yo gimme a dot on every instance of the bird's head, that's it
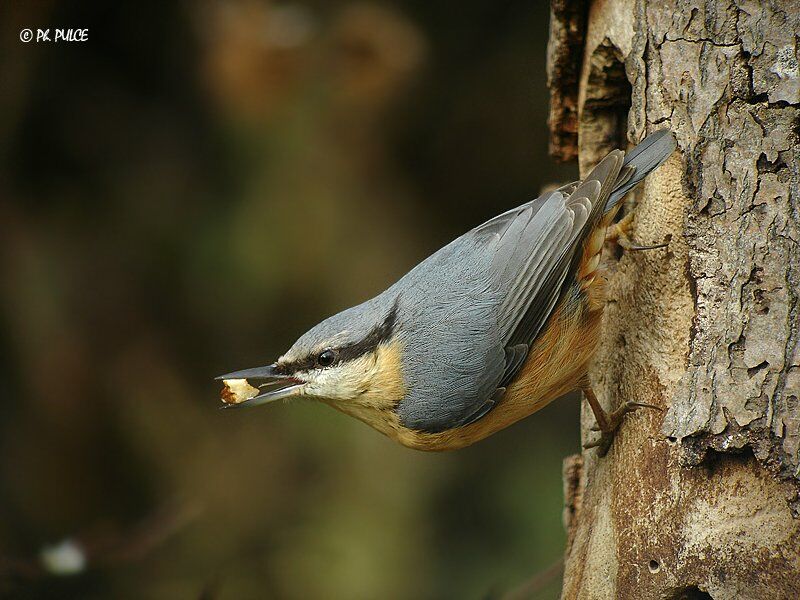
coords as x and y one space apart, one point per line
351 360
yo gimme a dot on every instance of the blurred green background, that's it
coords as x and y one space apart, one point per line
183 195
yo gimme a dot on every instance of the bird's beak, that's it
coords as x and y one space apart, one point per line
275 385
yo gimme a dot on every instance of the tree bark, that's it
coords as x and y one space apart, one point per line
700 501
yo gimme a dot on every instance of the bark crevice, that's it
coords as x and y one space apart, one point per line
567 33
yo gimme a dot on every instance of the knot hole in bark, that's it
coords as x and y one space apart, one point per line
692 593
603 122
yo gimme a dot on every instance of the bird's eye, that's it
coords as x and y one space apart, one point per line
326 358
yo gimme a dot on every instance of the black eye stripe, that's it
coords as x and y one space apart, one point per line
290 368
380 333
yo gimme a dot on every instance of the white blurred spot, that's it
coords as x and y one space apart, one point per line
65 558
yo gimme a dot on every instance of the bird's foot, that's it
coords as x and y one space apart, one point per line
613 421
607 424
619 233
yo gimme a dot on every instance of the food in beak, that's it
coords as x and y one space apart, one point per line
239 391
236 391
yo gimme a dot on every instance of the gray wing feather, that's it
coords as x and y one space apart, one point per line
500 279
639 162
516 269
535 290
648 155
616 174
546 245
515 358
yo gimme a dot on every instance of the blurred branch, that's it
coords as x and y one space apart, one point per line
533 587
75 555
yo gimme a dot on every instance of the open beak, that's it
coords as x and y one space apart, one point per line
271 385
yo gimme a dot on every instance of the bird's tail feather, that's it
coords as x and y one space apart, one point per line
649 154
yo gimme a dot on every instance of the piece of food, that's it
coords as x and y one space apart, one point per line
236 391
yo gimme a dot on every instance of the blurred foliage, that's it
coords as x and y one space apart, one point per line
185 194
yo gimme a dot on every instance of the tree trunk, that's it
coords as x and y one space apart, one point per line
700 501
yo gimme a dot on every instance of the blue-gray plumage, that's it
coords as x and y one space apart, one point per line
465 320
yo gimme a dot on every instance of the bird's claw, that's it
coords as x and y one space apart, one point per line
619 233
634 247
614 420
602 443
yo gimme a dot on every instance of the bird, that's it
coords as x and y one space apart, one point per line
484 332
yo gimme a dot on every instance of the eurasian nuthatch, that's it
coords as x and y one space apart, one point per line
481 334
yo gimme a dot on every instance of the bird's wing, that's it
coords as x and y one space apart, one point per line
497 285
646 156
500 283
538 244
535 252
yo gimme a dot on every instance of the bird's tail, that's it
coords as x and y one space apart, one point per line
649 154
